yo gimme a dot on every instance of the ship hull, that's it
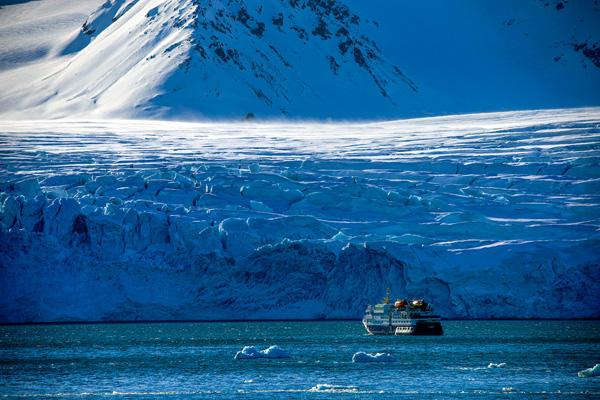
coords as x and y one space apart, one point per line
419 329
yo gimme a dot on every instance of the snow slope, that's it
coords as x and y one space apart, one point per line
485 215
30 31
182 59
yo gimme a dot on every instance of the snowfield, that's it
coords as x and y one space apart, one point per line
485 215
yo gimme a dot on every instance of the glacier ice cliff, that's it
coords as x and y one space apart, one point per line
491 215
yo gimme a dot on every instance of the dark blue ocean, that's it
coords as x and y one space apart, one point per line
474 359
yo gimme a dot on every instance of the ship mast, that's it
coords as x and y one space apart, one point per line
386 299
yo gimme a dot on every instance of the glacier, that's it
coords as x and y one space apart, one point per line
490 215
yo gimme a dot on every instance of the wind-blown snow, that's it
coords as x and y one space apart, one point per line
486 215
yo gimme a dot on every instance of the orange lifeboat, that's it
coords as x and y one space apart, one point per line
400 303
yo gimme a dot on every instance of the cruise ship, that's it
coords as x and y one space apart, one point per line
415 317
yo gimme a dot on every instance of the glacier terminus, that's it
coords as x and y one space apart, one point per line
485 215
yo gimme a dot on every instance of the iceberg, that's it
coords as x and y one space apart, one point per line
362 357
590 372
249 352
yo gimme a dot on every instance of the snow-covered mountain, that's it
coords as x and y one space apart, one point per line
230 58
343 59
493 215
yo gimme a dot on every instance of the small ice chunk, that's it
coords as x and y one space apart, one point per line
327 388
588 373
270 352
247 352
275 352
494 365
362 357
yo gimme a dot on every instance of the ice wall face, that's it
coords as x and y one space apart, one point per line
485 215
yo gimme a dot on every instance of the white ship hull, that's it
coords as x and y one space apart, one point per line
415 327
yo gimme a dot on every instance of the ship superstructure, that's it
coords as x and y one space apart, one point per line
415 317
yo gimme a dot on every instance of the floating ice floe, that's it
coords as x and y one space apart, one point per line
270 352
498 365
588 373
327 388
362 357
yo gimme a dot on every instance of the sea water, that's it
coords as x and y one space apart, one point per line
473 359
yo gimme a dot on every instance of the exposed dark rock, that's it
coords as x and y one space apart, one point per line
358 57
86 29
243 16
321 30
278 20
220 52
590 51
301 32
200 50
333 64
342 32
283 60
344 46
258 30
262 96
